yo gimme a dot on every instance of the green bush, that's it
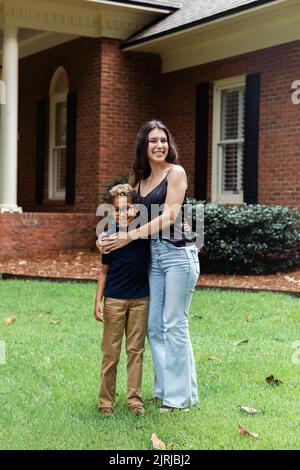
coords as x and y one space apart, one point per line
250 239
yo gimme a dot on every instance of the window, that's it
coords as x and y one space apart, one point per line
228 141
58 134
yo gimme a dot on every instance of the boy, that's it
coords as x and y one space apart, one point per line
123 282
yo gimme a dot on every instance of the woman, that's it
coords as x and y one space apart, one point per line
174 269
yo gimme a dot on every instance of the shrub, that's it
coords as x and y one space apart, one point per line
250 239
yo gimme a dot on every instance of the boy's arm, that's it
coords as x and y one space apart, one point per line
98 309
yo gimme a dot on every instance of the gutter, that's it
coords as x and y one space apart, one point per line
141 5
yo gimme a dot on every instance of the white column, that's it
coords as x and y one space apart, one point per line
9 122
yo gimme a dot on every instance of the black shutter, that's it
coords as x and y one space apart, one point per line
40 150
201 147
251 138
71 148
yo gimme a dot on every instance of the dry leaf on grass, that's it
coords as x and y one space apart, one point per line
214 358
272 380
157 443
251 411
55 322
248 318
10 320
245 433
170 446
242 341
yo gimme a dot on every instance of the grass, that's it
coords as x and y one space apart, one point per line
49 384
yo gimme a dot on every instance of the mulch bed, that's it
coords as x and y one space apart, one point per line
84 265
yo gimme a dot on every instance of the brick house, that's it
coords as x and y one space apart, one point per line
82 76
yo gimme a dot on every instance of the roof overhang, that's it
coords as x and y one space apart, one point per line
259 27
46 23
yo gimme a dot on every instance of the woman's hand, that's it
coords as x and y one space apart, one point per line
113 242
98 311
98 242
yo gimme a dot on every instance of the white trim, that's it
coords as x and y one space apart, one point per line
153 9
54 99
216 195
152 42
87 19
255 29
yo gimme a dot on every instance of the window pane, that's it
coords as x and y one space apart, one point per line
232 167
232 118
62 83
61 124
60 169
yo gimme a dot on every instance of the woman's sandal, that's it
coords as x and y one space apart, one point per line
167 409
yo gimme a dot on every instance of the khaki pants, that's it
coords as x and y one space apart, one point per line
129 315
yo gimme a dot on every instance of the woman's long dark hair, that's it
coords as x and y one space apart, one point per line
141 167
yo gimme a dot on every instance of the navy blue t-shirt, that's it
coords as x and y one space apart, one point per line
127 277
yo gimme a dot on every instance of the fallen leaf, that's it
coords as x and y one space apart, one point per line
214 358
245 433
251 411
157 443
291 279
10 320
242 341
248 318
54 322
170 446
272 380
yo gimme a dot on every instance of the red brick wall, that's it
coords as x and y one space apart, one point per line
279 157
130 96
81 59
31 233
117 93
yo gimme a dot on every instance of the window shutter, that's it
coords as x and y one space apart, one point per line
251 138
201 147
71 148
40 150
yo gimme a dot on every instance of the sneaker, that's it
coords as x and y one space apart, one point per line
137 410
105 410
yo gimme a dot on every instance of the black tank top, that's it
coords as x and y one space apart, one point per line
154 202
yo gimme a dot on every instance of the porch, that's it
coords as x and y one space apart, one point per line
50 175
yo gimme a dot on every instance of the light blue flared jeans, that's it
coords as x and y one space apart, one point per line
173 275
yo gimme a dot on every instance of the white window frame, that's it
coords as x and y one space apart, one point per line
54 99
217 196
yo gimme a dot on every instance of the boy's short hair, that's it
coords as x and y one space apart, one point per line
121 190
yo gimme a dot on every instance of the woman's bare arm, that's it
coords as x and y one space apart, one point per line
177 185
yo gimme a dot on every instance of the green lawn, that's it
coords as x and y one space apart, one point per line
49 384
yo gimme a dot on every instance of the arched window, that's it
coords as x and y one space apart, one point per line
59 90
